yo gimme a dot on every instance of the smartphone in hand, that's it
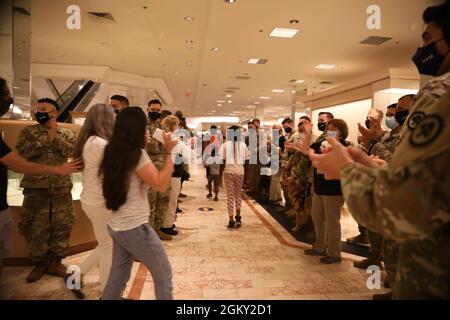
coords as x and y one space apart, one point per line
158 135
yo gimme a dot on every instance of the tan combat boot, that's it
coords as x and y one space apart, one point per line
56 268
37 272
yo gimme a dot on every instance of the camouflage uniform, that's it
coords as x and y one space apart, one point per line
47 215
286 170
384 148
385 247
408 200
158 201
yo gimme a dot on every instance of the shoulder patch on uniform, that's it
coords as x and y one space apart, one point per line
415 118
426 131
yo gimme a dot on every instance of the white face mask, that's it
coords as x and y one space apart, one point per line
391 123
333 134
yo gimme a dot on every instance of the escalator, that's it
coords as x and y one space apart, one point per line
76 98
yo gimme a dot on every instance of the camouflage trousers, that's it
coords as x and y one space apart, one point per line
46 222
376 245
390 258
159 204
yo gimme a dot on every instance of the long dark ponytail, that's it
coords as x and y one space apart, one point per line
122 155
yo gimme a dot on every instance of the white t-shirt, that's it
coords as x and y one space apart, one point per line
234 163
135 211
92 193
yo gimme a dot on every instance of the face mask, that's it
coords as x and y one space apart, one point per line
42 117
288 130
400 116
428 60
332 134
116 111
154 115
391 123
367 123
322 126
4 107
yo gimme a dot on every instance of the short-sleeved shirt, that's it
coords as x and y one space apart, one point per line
4 150
134 212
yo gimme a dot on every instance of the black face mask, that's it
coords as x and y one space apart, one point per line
4 106
288 130
322 126
42 117
154 115
428 60
400 116
368 124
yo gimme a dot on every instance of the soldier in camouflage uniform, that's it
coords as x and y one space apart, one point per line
408 200
158 201
47 216
288 125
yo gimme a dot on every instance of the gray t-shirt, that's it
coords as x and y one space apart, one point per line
135 211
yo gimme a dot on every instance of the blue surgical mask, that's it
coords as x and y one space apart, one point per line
391 123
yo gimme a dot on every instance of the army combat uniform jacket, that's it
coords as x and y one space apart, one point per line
409 199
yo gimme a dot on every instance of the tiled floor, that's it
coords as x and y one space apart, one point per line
259 261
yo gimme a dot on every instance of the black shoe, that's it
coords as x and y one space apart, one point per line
231 224
182 195
216 198
178 210
209 195
330 260
169 231
173 226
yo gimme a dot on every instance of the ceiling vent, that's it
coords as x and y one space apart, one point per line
102 15
233 88
375 41
326 82
243 77
262 61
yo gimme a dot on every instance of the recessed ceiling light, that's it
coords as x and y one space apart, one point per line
257 102
219 105
297 81
189 18
228 96
230 1
278 90
253 61
215 49
324 66
229 101
264 98
283 32
220 101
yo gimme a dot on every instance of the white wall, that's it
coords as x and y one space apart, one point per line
352 113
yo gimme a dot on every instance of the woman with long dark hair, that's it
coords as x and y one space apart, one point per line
92 140
234 152
127 174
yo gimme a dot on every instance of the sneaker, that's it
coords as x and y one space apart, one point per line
238 222
169 231
314 252
365 263
330 260
209 195
359 239
163 236
231 224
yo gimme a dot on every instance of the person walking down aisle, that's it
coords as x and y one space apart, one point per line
127 172
234 152
158 201
47 216
93 138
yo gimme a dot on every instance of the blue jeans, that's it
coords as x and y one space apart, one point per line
144 244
